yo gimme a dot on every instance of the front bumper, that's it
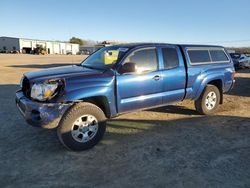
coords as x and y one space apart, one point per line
46 115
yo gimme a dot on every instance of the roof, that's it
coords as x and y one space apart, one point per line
200 46
37 39
135 45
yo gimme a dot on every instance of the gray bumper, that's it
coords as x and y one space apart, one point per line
46 115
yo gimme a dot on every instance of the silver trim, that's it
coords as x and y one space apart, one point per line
149 96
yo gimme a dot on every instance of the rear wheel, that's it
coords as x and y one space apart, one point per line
82 127
209 100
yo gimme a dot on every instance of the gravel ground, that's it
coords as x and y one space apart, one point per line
165 147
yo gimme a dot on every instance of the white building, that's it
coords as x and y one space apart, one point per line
24 45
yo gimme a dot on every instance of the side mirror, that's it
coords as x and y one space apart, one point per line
129 67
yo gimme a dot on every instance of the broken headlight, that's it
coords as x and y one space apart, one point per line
44 91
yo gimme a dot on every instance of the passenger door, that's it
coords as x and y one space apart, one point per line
173 74
142 87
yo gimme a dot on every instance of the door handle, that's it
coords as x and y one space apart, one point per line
157 77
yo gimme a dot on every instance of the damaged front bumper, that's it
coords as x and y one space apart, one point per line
45 115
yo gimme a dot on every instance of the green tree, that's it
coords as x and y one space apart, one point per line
76 40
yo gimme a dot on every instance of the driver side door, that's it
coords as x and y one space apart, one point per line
142 88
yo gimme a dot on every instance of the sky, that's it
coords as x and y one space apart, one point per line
223 22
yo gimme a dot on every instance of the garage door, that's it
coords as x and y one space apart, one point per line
56 49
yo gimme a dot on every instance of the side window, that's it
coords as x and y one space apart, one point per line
218 55
145 60
199 56
170 58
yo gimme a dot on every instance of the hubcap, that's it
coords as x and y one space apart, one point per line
210 101
84 128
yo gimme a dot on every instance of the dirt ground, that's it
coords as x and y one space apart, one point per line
165 147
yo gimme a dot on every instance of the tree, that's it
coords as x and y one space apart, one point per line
76 40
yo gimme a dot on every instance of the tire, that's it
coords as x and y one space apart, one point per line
82 127
207 106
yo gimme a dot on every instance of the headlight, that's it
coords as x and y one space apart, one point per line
43 91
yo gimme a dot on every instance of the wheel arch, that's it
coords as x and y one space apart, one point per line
217 82
101 102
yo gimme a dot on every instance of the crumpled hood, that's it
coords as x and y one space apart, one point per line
61 72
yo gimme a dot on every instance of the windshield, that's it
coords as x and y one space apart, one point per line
105 57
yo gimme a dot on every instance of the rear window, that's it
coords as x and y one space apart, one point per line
218 55
199 56
170 58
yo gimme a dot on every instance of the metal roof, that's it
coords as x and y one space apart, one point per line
37 40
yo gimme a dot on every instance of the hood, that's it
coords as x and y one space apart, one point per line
61 72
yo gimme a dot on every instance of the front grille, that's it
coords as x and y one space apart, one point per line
26 87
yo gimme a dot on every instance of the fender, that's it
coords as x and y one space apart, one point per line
78 89
204 80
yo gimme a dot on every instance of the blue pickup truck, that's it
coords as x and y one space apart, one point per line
118 79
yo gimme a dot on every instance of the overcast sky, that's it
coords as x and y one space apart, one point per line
224 22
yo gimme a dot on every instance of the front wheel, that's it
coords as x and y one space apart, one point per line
82 127
209 100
